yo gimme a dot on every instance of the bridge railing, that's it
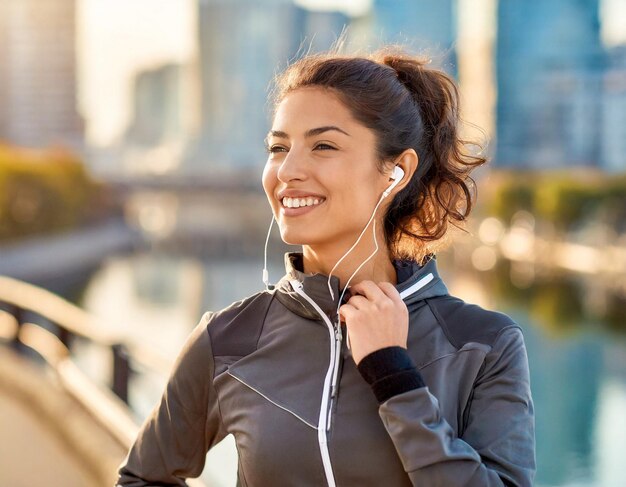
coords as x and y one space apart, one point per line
66 321
36 319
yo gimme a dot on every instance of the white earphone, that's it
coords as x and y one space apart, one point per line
396 175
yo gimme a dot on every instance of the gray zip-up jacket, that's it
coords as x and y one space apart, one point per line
274 371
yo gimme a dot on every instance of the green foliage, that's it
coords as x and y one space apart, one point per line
567 202
42 192
509 194
557 304
615 202
566 199
556 301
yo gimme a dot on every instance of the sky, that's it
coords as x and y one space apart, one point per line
613 17
118 38
351 7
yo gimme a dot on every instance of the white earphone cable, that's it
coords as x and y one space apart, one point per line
359 268
332 294
266 274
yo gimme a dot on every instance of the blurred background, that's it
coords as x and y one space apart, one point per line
131 151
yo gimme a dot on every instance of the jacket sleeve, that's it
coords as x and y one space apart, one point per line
497 447
173 441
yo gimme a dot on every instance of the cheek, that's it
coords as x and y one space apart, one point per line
269 181
358 191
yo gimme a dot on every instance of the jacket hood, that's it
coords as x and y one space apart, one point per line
415 283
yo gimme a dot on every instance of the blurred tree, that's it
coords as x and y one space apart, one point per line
616 313
616 203
44 191
567 200
511 191
557 305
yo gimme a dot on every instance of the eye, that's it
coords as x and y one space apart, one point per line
274 148
323 146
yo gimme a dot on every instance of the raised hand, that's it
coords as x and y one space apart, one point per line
375 317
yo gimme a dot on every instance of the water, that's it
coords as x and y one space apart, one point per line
577 354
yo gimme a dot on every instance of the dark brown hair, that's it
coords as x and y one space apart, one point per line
407 105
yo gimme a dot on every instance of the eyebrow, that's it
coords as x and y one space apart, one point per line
308 133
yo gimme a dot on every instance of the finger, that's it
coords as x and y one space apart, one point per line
358 302
368 289
347 311
390 291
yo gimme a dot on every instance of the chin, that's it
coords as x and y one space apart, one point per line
293 238
297 237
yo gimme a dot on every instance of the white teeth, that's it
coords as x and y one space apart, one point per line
300 202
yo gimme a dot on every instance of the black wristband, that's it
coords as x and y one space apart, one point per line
390 371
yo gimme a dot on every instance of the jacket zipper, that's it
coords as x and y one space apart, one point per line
334 389
332 374
330 384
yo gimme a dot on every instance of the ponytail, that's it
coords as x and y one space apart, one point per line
407 105
444 191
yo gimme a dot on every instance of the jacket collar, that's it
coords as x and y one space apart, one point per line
415 283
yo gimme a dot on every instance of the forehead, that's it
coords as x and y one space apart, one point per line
312 106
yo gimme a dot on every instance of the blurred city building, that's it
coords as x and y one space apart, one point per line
38 74
242 45
159 133
613 134
318 30
561 95
157 106
422 25
550 65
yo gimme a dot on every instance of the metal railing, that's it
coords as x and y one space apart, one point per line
67 321
32 318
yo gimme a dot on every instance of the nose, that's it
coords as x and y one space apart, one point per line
293 167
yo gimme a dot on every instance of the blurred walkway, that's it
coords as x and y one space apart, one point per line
47 437
46 258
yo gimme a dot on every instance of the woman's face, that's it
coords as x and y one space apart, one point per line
321 177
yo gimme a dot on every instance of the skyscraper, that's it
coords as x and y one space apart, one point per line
549 75
422 25
38 73
158 134
243 44
157 106
613 127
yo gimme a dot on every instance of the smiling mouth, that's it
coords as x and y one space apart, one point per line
301 202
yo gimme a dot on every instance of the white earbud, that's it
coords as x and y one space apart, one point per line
396 175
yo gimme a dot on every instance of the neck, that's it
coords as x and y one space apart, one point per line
320 259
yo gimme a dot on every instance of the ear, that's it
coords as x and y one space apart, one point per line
408 161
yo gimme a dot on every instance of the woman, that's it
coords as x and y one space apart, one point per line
366 171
